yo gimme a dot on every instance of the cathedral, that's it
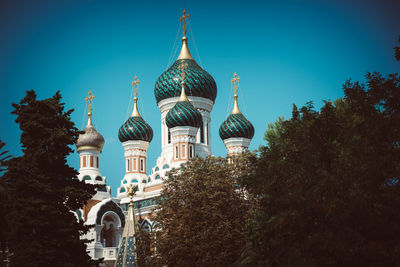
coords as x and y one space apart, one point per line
185 94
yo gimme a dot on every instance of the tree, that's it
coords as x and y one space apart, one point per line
327 182
201 215
44 190
4 200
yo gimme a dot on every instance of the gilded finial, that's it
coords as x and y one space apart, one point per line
89 99
182 68
234 81
135 83
185 53
184 18
132 191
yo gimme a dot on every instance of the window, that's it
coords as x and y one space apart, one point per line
169 136
86 178
176 152
98 178
157 169
97 162
157 177
202 134
124 182
134 181
122 190
84 161
128 165
207 133
190 151
166 166
91 161
183 151
141 165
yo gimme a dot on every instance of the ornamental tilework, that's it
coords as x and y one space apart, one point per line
183 114
135 128
236 125
198 82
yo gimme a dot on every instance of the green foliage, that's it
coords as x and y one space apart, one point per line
4 197
44 189
202 215
327 183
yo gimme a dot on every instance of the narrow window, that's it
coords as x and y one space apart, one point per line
202 134
183 151
169 137
91 161
176 152
207 133
190 151
128 165
84 161
97 162
141 165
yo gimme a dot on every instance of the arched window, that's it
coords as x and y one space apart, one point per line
166 166
144 181
201 134
156 169
134 181
86 178
122 190
124 182
98 178
102 189
149 180
108 235
157 177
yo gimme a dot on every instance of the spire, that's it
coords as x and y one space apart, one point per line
183 96
126 255
234 80
185 53
135 83
89 99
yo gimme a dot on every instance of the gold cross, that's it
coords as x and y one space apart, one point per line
132 190
89 99
135 83
182 68
184 17
234 80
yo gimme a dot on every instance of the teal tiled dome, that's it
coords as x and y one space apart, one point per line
198 82
135 128
236 125
183 114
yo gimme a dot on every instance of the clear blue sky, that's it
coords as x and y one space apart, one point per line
284 51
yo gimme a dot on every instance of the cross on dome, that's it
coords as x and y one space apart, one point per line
135 83
234 80
184 18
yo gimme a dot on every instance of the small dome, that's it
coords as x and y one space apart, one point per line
236 125
90 138
135 128
198 81
183 114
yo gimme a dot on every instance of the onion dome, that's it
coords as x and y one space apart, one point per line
135 128
236 125
198 81
90 139
183 113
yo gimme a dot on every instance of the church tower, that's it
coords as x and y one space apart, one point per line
236 131
200 89
183 122
89 146
135 135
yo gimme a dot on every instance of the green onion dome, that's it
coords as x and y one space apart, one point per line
198 81
135 128
236 125
90 139
183 114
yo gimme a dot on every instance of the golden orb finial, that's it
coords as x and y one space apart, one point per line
89 99
135 83
234 81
